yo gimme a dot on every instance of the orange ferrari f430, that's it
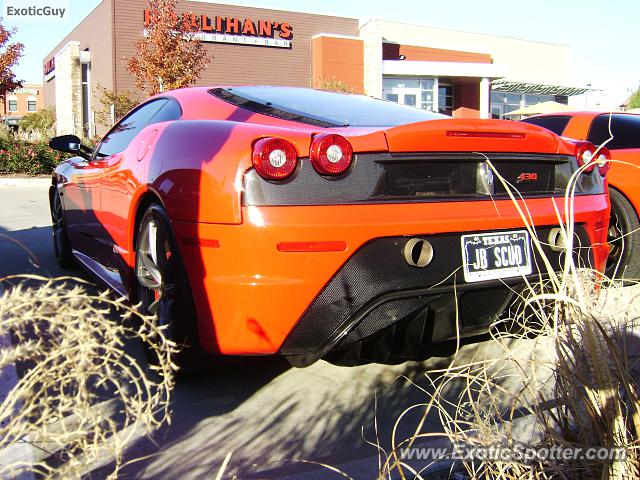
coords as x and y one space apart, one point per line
262 220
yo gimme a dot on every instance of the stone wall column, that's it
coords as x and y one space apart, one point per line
69 90
372 37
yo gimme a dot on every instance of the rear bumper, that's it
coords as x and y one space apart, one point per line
252 298
376 289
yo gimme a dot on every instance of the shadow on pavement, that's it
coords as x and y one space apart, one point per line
30 251
269 415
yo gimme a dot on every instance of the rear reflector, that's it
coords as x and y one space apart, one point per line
461 133
312 246
201 242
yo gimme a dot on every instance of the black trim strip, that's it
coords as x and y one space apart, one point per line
111 278
268 110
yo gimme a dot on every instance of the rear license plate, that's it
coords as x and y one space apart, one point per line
489 256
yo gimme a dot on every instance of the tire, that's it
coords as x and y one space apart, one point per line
624 239
163 288
61 242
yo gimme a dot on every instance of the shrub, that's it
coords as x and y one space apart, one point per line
335 85
39 124
18 156
81 397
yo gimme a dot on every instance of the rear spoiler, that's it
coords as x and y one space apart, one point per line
454 135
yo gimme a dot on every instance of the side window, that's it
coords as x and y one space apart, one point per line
555 123
625 129
170 111
120 136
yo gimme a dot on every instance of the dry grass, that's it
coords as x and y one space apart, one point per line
81 396
569 379
575 386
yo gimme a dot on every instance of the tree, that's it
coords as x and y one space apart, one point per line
634 100
10 53
122 102
170 56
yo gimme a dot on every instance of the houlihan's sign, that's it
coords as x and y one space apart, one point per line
262 33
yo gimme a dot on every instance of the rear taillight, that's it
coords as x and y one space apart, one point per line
331 154
585 155
274 158
603 160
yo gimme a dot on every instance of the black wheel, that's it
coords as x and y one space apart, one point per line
624 239
61 243
163 288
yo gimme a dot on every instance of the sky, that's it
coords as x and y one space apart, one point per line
603 36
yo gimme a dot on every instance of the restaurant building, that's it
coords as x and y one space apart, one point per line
457 73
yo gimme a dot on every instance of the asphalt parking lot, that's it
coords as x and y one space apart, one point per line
268 415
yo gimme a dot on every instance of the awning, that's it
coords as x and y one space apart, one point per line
503 85
12 120
544 107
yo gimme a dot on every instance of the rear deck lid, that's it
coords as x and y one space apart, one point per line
471 135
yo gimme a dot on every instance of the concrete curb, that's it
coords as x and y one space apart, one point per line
25 181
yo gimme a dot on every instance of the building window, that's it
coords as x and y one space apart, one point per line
427 84
86 127
413 91
31 106
13 105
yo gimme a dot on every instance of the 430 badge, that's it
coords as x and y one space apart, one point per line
489 256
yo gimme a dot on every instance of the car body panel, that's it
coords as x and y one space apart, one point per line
264 299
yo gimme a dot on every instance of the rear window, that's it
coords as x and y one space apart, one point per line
625 129
555 123
322 108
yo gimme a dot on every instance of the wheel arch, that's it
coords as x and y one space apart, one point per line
140 203
146 198
626 197
53 188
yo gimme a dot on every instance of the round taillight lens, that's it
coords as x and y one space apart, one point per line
603 160
585 155
274 158
331 154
